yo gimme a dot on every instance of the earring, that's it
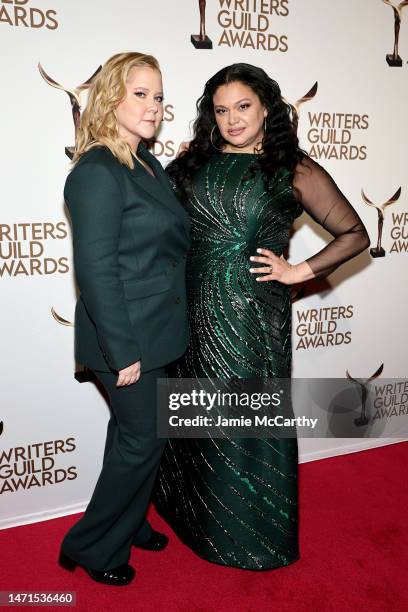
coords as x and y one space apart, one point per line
211 139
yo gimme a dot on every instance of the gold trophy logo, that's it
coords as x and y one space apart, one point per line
378 251
296 106
74 97
201 40
363 419
393 59
60 319
83 374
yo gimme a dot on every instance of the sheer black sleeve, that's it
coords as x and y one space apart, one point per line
325 203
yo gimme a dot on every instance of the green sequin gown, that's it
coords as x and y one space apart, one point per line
235 501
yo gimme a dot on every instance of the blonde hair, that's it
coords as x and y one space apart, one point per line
99 125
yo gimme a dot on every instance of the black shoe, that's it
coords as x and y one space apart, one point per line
119 576
157 541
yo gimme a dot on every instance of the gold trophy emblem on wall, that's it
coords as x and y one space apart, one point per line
74 97
363 419
393 59
201 40
378 251
296 106
60 319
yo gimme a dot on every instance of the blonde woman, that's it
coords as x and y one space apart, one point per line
130 237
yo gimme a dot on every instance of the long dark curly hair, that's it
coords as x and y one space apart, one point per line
280 145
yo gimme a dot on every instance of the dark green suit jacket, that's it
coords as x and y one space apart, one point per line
131 237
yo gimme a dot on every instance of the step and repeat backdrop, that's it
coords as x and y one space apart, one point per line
342 65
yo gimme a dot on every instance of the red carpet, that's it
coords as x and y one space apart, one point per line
354 548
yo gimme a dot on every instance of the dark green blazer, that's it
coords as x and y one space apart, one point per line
130 236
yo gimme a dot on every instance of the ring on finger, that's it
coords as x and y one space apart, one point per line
270 269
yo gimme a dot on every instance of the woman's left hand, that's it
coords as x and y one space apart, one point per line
275 268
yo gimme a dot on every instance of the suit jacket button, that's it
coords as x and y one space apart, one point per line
178 299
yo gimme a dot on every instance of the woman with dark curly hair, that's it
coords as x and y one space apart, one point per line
243 180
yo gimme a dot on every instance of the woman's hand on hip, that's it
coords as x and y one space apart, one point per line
278 269
129 375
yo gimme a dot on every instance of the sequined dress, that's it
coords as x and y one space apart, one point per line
235 501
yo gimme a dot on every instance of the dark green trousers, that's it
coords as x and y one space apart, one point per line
116 514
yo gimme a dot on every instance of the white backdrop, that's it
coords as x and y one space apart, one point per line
54 428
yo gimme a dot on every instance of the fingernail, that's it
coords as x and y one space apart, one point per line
252 258
252 269
259 250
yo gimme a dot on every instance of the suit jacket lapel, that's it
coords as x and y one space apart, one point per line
158 186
